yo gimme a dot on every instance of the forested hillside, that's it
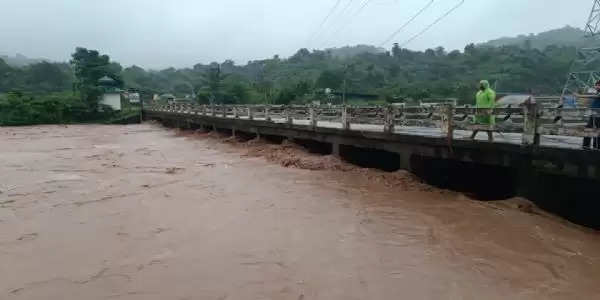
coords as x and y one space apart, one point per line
566 36
389 75
20 60
392 75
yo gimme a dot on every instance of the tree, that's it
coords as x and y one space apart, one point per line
300 56
330 79
89 66
212 82
47 77
236 93
5 76
440 51
396 50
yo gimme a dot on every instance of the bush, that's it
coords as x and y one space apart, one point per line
17 108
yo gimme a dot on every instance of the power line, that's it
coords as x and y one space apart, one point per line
432 24
329 14
393 35
356 13
339 16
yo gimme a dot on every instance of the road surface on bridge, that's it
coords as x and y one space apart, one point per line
139 212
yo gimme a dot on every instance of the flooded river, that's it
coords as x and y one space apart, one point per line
144 212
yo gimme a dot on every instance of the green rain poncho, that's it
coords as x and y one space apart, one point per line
485 99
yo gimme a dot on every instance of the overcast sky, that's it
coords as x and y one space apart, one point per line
180 33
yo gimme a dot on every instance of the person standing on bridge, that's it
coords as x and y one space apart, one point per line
485 99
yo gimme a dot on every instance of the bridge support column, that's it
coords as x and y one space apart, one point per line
405 164
335 149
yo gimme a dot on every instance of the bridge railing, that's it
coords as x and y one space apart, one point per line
531 119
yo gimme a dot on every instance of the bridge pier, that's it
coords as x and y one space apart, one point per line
335 149
405 164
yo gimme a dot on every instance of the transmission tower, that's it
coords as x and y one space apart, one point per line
585 70
591 29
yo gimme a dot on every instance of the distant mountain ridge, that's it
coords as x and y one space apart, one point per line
20 60
566 36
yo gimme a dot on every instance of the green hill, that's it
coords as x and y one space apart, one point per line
20 60
566 36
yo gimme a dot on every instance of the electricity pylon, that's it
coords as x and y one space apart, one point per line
585 71
591 29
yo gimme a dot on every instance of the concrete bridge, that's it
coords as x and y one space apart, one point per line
533 137
536 153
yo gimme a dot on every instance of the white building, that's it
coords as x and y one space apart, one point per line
112 99
112 94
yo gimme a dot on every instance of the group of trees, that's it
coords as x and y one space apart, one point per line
537 64
45 92
392 76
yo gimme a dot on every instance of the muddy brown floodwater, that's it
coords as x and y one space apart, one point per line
144 212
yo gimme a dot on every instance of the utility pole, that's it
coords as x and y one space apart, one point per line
344 91
141 109
345 83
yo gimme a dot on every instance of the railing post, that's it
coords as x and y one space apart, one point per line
288 115
224 107
204 109
345 121
250 112
388 119
267 113
312 117
447 111
530 136
213 111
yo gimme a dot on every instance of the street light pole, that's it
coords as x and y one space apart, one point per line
344 91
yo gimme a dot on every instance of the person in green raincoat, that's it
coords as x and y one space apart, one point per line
485 98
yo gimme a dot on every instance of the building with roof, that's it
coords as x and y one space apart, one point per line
111 95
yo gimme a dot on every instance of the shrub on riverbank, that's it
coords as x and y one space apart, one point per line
18 108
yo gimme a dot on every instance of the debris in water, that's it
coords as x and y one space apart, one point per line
174 170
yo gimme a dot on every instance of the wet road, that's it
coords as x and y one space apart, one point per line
137 212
